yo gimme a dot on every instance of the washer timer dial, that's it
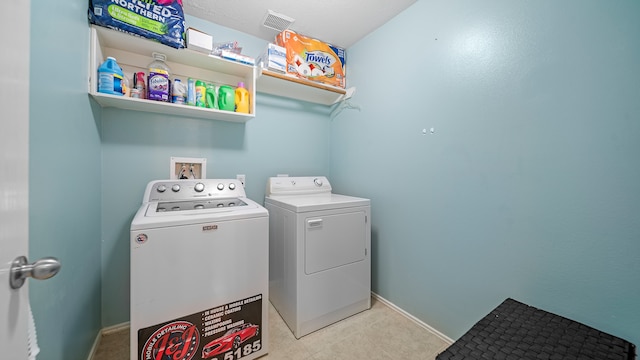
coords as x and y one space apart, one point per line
199 187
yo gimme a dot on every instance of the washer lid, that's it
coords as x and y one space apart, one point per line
195 207
198 204
306 203
148 215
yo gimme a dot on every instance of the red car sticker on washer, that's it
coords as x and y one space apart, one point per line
178 340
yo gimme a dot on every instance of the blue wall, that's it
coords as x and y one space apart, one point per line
528 186
64 181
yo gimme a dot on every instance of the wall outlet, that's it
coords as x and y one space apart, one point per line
241 178
187 168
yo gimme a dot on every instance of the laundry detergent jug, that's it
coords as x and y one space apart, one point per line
110 77
226 98
242 99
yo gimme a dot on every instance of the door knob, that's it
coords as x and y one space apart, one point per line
42 269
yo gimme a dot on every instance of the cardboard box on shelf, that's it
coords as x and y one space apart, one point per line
313 59
199 41
274 58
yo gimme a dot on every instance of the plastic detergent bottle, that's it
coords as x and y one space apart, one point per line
179 93
226 98
211 96
201 91
242 99
110 77
126 88
191 92
159 72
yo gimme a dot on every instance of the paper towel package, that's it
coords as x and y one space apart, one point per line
159 20
313 59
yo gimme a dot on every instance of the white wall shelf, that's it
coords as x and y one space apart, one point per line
133 54
275 83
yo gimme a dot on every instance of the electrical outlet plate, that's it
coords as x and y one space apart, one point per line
241 178
188 168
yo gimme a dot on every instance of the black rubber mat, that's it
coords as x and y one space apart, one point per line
515 331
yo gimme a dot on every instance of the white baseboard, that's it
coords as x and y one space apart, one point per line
115 328
418 322
105 331
94 348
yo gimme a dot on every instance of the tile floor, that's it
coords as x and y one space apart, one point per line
380 333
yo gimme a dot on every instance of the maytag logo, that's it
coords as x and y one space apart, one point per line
209 227
141 238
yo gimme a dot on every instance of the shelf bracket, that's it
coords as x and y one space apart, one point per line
344 103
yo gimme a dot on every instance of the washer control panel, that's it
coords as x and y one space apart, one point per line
173 190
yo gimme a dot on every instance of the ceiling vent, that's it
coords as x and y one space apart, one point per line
276 21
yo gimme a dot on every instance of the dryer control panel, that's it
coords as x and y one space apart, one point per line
175 190
298 185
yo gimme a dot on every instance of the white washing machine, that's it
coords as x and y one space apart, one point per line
199 272
319 252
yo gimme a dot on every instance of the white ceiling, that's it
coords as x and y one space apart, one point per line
338 22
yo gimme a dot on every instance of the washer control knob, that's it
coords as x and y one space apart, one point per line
220 186
232 186
161 188
175 188
199 187
317 181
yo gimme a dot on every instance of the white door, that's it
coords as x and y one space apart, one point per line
14 160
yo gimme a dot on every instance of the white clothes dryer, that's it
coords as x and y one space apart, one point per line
199 265
319 252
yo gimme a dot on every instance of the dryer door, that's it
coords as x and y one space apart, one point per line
334 240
